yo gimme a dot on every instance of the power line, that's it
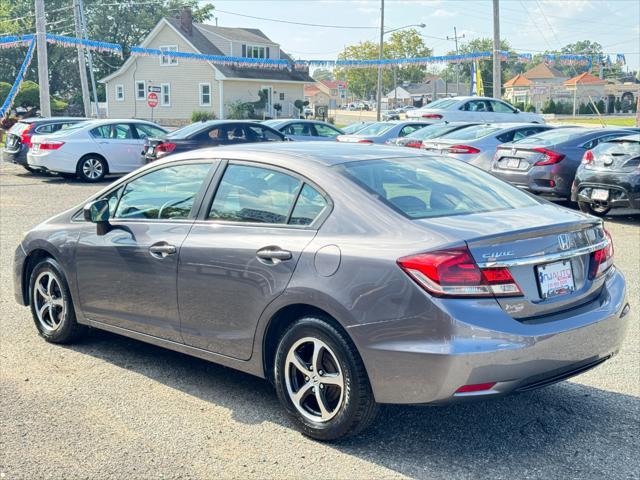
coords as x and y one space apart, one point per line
294 23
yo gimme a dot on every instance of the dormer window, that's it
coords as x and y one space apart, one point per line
254 51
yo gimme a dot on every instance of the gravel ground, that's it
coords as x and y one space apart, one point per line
110 407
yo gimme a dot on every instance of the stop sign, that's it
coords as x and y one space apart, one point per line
152 99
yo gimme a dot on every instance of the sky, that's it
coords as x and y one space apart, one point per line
530 26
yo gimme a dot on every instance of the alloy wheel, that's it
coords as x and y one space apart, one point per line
48 301
314 379
92 168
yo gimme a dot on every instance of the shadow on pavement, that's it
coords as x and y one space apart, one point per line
563 431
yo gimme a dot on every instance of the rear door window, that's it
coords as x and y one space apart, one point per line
258 133
326 131
145 131
298 129
116 131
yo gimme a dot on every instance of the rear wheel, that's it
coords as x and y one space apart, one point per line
594 209
51 304
321 381
91 168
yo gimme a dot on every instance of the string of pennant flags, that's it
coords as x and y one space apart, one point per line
15 88
268 63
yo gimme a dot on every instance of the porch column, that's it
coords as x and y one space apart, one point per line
220 100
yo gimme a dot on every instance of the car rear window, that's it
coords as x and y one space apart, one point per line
186 132
472 133
553 136
429 187
620 146
376 128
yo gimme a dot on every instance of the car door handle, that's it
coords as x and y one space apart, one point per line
162 250
273 254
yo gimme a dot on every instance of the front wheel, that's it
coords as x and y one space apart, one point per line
593 209
321 381
91 169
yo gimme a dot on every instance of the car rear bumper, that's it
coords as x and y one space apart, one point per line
53 161
409 363
18 156
555 180
624 189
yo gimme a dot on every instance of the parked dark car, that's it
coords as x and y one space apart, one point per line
434 130
609 176
348 276
546 163
19 136
213 133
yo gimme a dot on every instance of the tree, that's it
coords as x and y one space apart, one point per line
124 23
29 97
322 74
401 44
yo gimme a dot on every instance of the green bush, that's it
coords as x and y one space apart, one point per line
200 116
601 106
530 108
549 107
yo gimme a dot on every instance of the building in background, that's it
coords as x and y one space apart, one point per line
187 86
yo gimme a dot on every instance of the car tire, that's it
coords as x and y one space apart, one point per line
338 380
91 168
51 304
597 210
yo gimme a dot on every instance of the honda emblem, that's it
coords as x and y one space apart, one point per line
564 241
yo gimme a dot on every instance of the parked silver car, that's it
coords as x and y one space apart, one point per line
546 163
347 276
380 132
477 144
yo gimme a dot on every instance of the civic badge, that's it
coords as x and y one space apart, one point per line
564 241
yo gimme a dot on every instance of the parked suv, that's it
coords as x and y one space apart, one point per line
19 136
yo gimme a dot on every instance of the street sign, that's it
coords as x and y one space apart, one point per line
152 99
153 89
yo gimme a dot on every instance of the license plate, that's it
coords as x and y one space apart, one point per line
12 141
149 150
555 279
513 163
599 194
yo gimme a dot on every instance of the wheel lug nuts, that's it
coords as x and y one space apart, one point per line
321 387
306 379
320 372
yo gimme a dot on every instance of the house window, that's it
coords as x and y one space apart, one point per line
256 52
120 93
281 95
165 94
140 90
166 60
205 94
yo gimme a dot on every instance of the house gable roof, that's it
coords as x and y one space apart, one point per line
542 71
247 35
518 81
585 79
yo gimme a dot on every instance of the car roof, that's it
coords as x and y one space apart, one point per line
290 154
52 119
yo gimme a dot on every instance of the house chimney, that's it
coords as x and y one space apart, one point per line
186 21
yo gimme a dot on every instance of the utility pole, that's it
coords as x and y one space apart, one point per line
83 26
497 80
43 66
455 38
380 53
84 84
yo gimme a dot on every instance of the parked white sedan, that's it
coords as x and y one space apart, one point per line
92 149
472 109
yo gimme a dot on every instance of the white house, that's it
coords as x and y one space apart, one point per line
187 85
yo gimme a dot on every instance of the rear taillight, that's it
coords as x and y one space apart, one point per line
549 157
431 115
164 148
454 273
365 141
462 149
601 260
51 145
413 144
25 136
587 158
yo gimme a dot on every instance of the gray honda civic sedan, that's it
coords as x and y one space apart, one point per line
348 277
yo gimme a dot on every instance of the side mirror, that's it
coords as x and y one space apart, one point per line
98 212
517 110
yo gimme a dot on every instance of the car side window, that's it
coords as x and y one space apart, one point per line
409 129
309 206
257 133
119 131
501 107
236 134
476 106
164 194
254 195
326 131
145 131
49 128
509 136
299 129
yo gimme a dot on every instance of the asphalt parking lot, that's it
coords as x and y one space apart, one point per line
111 407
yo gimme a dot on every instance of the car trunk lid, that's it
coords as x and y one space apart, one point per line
547 250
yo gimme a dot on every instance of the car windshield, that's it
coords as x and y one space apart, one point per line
553 137
375 129
187 131
472 133
431 131
272 123
429 187
442 103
